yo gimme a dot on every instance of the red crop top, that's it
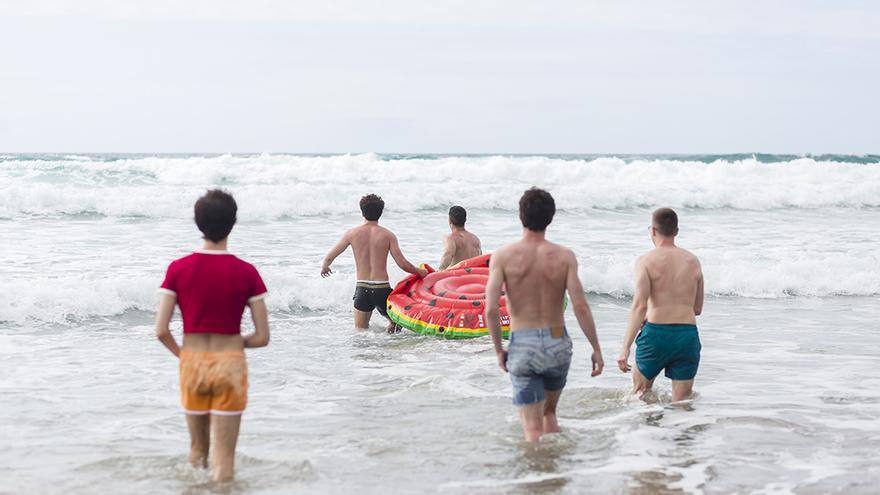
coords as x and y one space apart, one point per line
212 289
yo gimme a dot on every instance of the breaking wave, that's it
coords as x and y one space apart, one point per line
271 187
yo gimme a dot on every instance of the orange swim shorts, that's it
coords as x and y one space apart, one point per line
213 382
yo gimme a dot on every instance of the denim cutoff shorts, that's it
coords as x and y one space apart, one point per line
537 362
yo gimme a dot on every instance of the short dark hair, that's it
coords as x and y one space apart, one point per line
665 222
457 216
371 207
536 209
215 214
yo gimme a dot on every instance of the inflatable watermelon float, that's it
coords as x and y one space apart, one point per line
449 304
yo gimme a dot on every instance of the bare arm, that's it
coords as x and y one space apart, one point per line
448 252
583 313
493 310
401 261
698 301
163 320
335 251
260 316
637 313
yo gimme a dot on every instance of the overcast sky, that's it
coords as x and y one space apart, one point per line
498 76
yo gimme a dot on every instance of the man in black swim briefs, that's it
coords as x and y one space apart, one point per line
370 295
371 245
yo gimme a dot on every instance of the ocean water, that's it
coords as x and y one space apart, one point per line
788 391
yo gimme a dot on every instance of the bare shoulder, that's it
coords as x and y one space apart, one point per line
350 235
646 260
690 257
387 233
555 249
567 256
563 249
500 254
564 253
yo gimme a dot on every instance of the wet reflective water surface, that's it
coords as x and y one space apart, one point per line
95 408
788 393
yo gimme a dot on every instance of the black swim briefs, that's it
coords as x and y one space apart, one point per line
370 295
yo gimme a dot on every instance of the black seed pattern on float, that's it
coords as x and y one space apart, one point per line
476 303
433 302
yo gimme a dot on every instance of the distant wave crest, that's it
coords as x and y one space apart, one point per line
278 186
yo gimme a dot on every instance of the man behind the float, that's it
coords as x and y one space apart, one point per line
371 245
459 244
536 274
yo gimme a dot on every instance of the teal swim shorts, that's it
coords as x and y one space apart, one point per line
675 348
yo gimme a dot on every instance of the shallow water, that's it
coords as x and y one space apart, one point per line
781 406
788 393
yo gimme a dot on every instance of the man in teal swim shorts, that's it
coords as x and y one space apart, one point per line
667 300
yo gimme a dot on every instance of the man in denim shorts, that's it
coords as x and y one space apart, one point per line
536 274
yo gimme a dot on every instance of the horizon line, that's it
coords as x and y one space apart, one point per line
446 153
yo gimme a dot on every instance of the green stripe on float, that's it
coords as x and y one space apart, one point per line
425 328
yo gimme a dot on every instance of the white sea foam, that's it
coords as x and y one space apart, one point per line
780 253
70 298
274 186
67 299
831 275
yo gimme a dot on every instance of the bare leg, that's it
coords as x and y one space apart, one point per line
392 327
551 399
362 319
682 389
199 438
641 385
531 416
225 430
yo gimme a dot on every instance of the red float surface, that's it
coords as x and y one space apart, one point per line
450 303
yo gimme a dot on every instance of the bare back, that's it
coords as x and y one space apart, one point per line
212 342
371 244
466 246
676 285
535 274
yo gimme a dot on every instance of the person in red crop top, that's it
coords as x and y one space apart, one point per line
212 289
